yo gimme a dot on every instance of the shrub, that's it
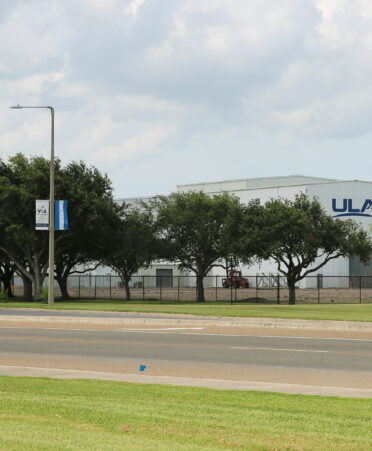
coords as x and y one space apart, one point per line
44 296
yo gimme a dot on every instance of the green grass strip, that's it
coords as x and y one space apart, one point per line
53 414
337 312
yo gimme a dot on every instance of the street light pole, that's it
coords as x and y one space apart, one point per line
51 204
51 215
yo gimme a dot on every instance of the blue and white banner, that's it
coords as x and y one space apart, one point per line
61 221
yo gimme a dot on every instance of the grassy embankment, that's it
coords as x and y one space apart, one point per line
46 414
340 312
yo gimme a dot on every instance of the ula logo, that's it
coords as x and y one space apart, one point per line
347 208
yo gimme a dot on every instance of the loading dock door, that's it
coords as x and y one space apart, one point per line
164 278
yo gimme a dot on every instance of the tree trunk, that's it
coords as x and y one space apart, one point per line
200 289
7 282
127 289
27 289
37 278
7 273
37 287
62 283
292 292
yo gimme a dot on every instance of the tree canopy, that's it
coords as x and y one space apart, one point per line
301 238
198 229
134 242
91 211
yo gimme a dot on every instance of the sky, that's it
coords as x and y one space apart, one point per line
157 93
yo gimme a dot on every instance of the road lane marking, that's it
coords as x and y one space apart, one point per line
162 329
274 349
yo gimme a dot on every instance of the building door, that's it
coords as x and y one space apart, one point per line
164 278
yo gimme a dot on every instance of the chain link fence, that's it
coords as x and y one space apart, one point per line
269 289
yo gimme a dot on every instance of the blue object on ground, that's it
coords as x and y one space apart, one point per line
142 367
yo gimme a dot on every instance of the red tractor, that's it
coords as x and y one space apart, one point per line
235 280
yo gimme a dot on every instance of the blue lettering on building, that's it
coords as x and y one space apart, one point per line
346 208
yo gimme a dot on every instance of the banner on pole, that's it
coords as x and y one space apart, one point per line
42 214
61 220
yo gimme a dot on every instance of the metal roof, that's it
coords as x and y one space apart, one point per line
254 183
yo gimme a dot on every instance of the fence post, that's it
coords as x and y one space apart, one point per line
196 288
161 294
95 286
178 288
256 287
318 283
231 294
360 289
110 287
278 290
216 288
79 286
143 288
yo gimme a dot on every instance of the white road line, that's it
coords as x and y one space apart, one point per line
273 349
253 336
161 329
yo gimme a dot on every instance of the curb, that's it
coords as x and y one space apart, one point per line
148 319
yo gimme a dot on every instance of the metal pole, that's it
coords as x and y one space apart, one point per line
216 288
110 287
178 288
256 287
360 289
318 281
95 286
79 286
51 203
143 288
51 216
160 281
278 288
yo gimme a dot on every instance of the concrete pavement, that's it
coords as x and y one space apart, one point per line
22 371
155 319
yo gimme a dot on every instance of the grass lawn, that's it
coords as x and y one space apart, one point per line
340 312
47 414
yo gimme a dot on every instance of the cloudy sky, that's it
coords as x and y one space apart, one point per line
164 92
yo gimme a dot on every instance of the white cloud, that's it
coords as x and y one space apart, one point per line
171 87
133 8
141 145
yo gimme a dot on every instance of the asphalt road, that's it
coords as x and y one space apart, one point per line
297 353
326 362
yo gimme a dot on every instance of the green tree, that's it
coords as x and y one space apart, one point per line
24 181
91 212
134 242
301 238
199 230
91 208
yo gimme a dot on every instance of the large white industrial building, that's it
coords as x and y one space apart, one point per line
345 199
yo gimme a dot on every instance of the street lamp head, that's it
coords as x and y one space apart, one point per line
16 107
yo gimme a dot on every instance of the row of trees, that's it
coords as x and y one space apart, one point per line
25 250
195 230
